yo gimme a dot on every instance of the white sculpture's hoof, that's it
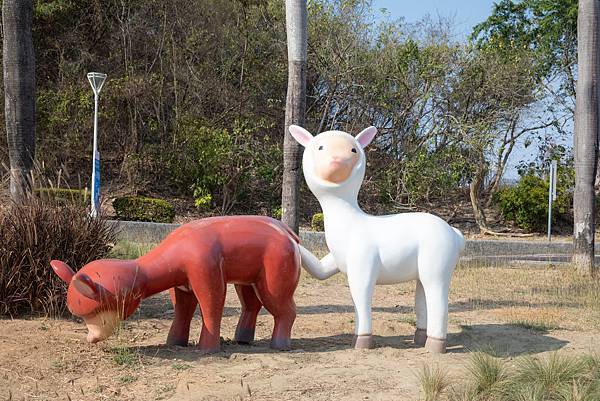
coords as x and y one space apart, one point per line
420 337
435 345
363 341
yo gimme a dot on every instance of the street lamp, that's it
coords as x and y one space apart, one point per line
96 80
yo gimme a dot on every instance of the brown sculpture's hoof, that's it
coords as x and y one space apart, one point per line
211 350
281 344
176 342
435 345
420 337
363 341
244 335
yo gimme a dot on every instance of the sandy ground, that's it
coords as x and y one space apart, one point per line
46 359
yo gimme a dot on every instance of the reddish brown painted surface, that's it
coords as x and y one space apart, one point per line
258 254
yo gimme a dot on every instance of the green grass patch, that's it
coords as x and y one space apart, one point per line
123 355
181 366
410 320
127 379
130 250
539 326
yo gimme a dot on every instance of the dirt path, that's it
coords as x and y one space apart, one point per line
42 359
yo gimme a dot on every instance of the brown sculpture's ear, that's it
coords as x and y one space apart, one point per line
87 287
62 270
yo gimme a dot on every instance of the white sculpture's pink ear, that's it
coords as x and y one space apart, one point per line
302 136
366 136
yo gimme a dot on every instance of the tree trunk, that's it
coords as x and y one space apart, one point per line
474 191
19 93
586 134
296 28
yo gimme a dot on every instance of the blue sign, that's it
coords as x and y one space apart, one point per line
96 194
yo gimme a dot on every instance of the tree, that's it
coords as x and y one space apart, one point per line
549 29
19 93
586 133
296 28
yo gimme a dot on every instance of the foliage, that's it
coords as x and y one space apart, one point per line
426 176
548 27
317 222
277 212
228 167
139 208
194 101
526 203
32 235
63 195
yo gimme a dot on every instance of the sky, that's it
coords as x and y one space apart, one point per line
464 13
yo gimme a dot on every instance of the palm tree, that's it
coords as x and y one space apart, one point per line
586 133
19 93
295 107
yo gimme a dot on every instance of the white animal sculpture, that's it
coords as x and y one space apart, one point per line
377 249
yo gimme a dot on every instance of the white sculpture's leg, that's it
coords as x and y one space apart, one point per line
421 314
361 279
436 294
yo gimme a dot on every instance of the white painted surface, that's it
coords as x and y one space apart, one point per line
377 249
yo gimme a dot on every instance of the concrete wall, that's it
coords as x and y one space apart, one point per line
315 241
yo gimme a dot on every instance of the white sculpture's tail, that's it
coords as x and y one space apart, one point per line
460 240
319 269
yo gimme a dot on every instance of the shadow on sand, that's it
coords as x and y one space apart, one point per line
505 340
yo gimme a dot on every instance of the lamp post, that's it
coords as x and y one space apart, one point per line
96 80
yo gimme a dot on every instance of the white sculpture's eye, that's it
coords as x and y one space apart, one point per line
353 150
321 147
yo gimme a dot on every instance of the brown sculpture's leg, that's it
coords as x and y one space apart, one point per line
251 305
420 337
283 310
185 304
210 291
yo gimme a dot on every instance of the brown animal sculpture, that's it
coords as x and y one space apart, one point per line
259 255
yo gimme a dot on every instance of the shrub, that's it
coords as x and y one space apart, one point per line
202 199
138 208
526 204
233 168
63 195
277 212
317 223
33 234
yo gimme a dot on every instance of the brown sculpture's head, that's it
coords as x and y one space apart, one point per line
103 293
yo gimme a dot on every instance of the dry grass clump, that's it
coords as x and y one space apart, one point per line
544 298
31 235
434 382
553 378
